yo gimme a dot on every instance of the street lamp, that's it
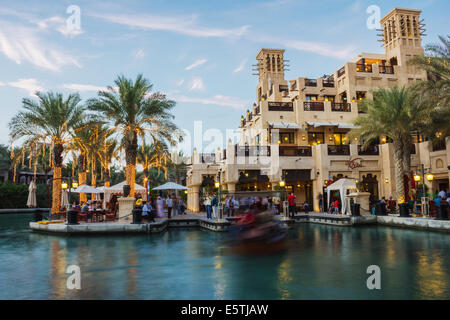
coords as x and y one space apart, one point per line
430 177
64 185
74 185
416 178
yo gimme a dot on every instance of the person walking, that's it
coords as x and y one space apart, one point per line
291 200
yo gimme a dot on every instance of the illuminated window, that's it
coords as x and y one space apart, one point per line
286 137
315 138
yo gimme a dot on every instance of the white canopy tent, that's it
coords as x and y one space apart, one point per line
342 185
170 186
118 189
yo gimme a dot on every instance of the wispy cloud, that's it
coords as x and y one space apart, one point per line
323 49
30 85
240 67
180 82
182 25
139 54
196 84
21 44
219 100
196 64
83 87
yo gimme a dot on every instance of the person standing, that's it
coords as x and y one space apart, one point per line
291 200
306 207
160 207
336 207
207 204
214 204
169 204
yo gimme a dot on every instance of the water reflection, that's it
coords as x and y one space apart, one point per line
320 262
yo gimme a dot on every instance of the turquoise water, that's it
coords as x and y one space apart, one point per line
322 262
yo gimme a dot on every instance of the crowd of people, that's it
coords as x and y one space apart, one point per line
172 205
232 204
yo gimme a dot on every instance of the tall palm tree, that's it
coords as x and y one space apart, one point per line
109 152
135 113
51 119
395 113
436 89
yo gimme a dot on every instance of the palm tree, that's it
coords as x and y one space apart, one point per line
395 113
109 152
52 120
135 113
436 89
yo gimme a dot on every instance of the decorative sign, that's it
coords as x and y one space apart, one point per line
354 163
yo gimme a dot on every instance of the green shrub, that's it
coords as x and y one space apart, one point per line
15 196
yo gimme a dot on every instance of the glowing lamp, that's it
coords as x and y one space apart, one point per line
217 184
282 183
64 185
74 184
386 180
353 99
429 177
416 177
185 191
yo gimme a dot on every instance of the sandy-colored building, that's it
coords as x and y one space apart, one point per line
297 130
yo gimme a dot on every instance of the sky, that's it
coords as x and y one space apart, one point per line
198 53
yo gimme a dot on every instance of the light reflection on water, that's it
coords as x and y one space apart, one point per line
322 262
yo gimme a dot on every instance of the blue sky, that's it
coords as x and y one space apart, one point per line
197 52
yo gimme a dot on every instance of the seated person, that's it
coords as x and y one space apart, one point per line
147 211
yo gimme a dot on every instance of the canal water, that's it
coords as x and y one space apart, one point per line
322 262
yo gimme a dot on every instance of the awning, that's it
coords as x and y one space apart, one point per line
284 125
340 125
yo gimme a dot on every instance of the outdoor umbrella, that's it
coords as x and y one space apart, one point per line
31 202
86 189
170 186
64 198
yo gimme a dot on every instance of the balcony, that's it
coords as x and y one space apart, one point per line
283 88
363 67
280 106
313 106
329 83
295 151
253 151
341 107
311 82
386 69
338 150
369 151
208 158
341 72
256 110
438 145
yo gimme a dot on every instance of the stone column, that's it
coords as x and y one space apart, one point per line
195 198
231 186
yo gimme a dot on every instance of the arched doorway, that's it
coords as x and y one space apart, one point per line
369 184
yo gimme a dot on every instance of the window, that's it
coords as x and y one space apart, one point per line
311 97
360 95
286 137
315 138
329 98
340 138
257 140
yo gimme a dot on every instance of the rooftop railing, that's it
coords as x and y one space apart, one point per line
341 71
438 145
252 151
328 83
311 82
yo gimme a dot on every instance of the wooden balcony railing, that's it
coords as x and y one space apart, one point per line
208 158
295 151
341 71
438 145
338 150
363 67
252 151
369 151
280 106
328 83
313 106
311 82
341 106
386 69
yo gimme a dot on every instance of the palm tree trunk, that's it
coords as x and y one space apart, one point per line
57 167
93 177
398 171
82 175
130 157
107 177
406 155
